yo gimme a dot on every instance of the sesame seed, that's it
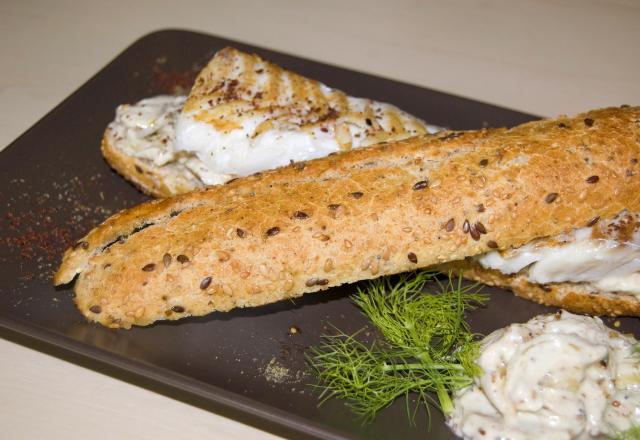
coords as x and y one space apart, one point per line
551 197
593 179
166 259
240 233
474 234
588 122
149 267
357 194
420 185
95 309
492 244
466 226
223 256
322 282
300 215
81 244
451 223
480 228
177 309
182 259
206 282
311 282
333 206
412 257
484 162
328 265
273 231
480 208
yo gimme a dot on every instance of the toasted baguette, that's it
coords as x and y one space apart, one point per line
574 297
354 216
156 181
227 92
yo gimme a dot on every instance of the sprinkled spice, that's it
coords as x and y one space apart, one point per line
492 244
182 259
177 309
480 208
333 206
474 234
480 228
206 282
588 122
420 185
300 215
357 194
368 121
551 197
138 169
593 221
149 267
240 232
593 179
273 231
412 257
95 309
451 223
466 226
484 162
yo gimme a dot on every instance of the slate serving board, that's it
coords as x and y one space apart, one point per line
55 186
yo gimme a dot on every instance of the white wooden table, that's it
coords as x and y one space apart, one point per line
541 57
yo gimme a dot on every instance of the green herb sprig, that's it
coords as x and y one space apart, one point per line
428 346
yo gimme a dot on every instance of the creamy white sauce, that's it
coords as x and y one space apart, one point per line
602 262
560 376
146 129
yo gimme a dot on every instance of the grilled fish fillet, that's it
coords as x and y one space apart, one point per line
243 115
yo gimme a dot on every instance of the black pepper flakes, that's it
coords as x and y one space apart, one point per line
182 259
451 223
149 267
95 309
273 231
206 282
420 185
588 122
300 215
412 257
357 194
178 309
593 179
551 197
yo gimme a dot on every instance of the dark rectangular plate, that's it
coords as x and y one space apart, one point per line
55 186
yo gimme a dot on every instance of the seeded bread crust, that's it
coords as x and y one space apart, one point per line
577 298
358 215
155 181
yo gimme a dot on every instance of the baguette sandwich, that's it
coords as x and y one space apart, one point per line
468 198
243 115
